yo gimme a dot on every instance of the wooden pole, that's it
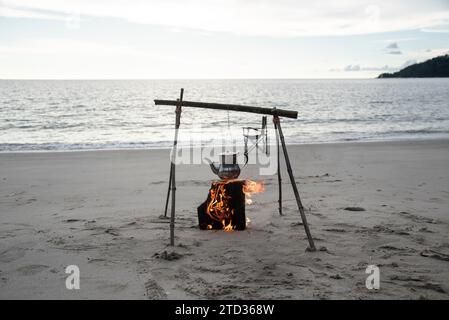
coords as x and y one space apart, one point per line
278 168
265 133
257 147
173 169
231 107
169 189
245 140
295 189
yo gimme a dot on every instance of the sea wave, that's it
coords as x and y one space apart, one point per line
53 115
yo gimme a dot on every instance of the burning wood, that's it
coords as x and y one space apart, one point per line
225 206
219 207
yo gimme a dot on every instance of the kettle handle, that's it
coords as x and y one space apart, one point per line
246 159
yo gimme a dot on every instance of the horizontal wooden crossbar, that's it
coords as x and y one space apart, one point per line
231 107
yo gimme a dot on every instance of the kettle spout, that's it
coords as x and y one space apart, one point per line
214 167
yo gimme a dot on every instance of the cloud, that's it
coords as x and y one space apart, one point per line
393 45
393 48
385 68
52 46
357 67
442 28
400 39
281 18
422 55
32 14
351 67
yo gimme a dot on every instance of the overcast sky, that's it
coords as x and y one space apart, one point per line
103 39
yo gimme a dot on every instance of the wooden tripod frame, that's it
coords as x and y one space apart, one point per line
276 113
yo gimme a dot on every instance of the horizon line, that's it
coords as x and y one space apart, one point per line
165 79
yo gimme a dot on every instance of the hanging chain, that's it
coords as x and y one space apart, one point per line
228 132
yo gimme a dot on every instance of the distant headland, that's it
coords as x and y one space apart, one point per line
434 68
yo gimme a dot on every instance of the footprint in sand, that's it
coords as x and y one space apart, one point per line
154 290
338 230
417 218
31 269
354 209
435 254
12 254
113 287
158 182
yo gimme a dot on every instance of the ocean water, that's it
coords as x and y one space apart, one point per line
114 114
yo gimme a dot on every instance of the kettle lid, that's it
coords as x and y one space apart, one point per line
228 157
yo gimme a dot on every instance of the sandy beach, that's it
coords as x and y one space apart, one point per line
100 210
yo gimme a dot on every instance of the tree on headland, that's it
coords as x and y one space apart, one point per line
434 68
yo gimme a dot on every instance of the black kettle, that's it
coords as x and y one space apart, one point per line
228 168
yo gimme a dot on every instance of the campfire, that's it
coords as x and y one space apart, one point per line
225 205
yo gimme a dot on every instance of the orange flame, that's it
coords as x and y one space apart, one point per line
227 227
250 187
219 205
218 208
